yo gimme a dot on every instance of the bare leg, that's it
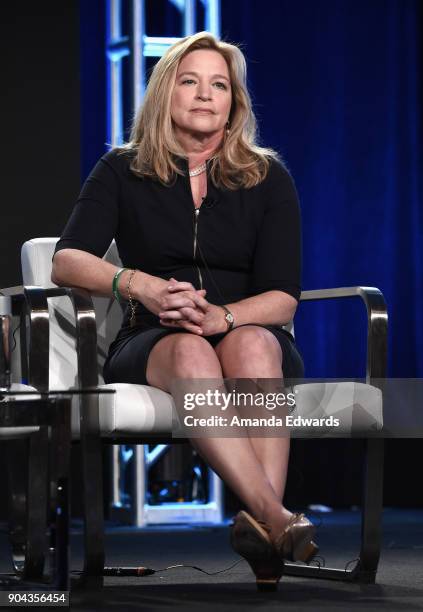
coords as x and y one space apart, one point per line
185 356
264 361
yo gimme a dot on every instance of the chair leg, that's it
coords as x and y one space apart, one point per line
27 462
36 547
92 476
17 466
59 495
371 525
372 507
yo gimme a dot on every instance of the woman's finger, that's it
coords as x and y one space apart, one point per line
182 324
172 315
180 286
177 286
185 298
171 302
190 314
199 301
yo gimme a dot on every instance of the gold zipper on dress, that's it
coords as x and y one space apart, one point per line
196 213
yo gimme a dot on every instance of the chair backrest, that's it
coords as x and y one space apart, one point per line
36 258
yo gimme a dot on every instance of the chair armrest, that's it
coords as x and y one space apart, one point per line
31 302
377 323
86 332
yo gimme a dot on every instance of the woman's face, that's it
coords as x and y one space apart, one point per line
202 97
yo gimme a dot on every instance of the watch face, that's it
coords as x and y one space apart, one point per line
229 317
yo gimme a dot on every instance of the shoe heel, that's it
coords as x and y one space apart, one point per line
267 574
251 541
307 553
267 585
267 568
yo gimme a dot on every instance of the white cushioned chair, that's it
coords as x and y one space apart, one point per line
81 330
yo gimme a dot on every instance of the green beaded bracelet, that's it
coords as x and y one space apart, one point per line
115 288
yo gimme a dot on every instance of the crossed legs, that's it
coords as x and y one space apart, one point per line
254 468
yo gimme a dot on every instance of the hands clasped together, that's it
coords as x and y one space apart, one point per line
179 304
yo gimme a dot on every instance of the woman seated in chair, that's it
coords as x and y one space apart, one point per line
207 225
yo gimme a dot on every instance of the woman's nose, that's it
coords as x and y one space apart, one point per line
204 92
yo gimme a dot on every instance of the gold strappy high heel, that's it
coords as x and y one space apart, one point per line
295 542
250 539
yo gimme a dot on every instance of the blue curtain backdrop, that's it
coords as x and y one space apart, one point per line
336 92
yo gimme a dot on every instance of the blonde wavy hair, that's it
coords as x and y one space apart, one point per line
239 162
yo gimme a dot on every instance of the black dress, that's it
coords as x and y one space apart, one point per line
237 244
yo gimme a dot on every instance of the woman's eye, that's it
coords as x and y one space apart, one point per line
220 85
187 81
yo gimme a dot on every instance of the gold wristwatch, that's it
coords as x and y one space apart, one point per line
229 317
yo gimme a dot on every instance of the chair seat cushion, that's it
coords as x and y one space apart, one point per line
356 406
132 410
141 409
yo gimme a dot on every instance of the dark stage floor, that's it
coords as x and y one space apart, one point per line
399 583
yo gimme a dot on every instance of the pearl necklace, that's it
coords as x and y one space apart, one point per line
198 170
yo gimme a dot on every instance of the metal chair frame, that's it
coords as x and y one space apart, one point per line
30 471
91 443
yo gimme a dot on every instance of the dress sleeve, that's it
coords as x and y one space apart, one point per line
277 256
94 220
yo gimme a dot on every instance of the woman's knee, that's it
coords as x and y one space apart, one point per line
193 355
257 343
184 355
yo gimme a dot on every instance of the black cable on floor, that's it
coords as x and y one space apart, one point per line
148 571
